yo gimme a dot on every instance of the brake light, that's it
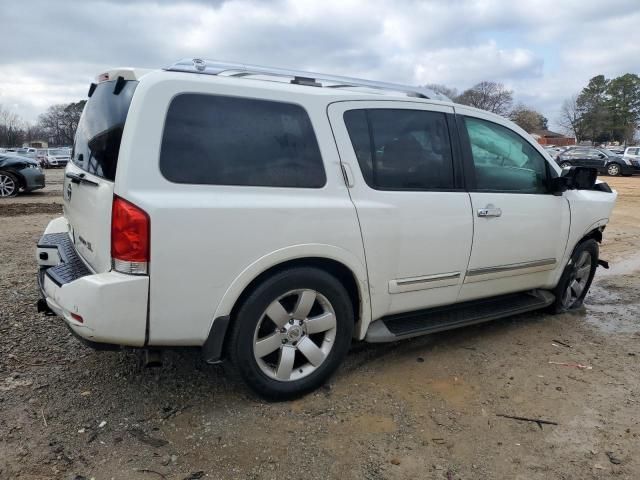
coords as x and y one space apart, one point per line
130 227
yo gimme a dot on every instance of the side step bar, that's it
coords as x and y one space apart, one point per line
422 322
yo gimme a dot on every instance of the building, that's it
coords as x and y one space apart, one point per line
547 137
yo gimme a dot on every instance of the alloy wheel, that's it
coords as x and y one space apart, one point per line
294 335
577 280
613 170
7 186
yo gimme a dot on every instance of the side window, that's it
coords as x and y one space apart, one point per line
401 149
503 160
218 140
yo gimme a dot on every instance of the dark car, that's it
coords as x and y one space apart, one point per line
604 160
19 174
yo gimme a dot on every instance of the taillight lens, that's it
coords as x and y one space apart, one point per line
130 228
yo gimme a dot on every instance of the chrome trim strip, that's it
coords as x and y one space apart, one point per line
511 266
429 278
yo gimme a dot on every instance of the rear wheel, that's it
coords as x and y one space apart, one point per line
613 169
291 333
577 277
8 185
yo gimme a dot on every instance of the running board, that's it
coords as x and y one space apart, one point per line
422 322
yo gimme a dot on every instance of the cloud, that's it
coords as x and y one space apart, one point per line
543 49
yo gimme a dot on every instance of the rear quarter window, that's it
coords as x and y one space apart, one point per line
218 140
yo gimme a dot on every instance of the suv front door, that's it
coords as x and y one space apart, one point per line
401 167
520 229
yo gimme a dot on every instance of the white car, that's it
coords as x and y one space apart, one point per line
56 157
633 154
271 217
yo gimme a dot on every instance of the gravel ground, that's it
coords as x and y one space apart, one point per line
424 408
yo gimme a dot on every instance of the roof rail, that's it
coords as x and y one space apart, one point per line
214 67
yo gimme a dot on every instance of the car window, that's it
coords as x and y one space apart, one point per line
401 149
217 140
503 160
633 151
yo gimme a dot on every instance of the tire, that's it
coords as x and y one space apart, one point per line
576 278
565 165
291 333
613 169
9 185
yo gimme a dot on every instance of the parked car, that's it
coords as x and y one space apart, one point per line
19 174
601 158
269 220
57 157
26 152
632 154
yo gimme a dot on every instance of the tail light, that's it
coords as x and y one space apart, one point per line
130 227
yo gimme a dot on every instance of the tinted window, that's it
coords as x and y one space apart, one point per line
401 149
239 141
99 132
503 160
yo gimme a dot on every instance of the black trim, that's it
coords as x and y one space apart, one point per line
71 267
212 348
463 314
467 156
457 156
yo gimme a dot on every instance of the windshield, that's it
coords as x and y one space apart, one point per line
58 151
100 129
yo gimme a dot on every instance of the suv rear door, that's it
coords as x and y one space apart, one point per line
90 176
415 217
520 228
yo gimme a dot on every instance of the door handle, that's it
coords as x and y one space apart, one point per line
490 211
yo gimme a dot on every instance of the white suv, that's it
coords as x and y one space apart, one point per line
270 217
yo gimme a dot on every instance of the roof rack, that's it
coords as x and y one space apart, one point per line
214 67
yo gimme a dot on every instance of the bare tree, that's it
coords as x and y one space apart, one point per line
11 128
571 118
491 96
60 122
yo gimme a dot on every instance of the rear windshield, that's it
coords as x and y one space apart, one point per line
100 129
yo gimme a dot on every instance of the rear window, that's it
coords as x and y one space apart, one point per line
99 132
217 140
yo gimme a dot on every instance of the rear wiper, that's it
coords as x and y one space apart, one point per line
79 178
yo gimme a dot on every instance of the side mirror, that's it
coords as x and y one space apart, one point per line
601 155
580 178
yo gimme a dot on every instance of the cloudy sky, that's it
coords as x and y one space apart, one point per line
545 50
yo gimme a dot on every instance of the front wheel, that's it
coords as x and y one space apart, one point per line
577 277
291 333
8 185
613 169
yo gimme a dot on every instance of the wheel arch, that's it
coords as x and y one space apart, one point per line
339 262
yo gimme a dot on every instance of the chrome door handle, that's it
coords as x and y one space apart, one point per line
490 211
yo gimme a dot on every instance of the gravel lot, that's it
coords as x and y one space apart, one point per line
424 408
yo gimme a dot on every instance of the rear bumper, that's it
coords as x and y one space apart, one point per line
107 307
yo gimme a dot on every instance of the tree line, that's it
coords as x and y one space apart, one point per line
56 126
606 110
495 97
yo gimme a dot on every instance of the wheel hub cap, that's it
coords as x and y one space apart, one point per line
295 335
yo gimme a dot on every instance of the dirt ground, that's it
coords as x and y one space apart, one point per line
424 408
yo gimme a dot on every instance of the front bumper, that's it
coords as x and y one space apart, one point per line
107 307
33 179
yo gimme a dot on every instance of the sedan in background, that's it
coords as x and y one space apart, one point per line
604 160
19 174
